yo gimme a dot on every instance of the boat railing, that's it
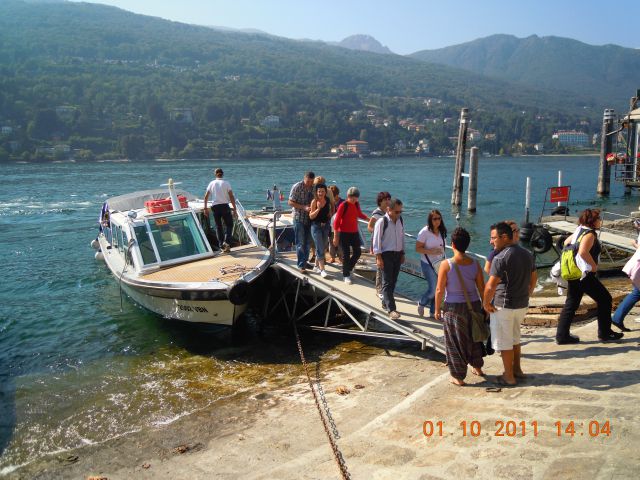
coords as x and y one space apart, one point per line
248 229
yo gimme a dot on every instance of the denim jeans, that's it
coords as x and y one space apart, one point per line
222 212
428 297
626 305
390 273
303 242
320 234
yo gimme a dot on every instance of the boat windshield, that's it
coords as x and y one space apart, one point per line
169 238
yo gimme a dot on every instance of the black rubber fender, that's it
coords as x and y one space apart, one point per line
561 210
238 293
541 240
526 230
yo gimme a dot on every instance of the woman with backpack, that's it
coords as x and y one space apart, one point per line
431 244
346 233
588 248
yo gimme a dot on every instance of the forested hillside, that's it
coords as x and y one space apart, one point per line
88 80
609 73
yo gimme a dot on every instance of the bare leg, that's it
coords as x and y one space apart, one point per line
517 369
456 381
507 361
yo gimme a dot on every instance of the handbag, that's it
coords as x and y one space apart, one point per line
479 328
632 269
436 265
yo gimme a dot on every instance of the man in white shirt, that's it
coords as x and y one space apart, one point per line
222 204
388 247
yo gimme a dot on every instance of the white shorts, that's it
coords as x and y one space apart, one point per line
505 327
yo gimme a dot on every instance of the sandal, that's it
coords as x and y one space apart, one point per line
503 383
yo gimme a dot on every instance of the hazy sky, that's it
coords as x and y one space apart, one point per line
406 26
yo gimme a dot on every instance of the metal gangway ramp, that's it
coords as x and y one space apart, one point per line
360 296
608 238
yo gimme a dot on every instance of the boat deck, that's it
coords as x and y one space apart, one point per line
361 295
616 240
226 267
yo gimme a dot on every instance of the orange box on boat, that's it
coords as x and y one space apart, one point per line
164 204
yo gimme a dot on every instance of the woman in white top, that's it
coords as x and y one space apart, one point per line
431 245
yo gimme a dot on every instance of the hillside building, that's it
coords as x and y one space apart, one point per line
571 138
270 121
182 115
358 146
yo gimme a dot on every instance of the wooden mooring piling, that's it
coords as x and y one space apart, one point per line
458 173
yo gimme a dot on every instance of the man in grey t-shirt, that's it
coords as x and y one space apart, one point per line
512 278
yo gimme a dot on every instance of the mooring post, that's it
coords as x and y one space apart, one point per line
559 183
606 146
456 193
473 179
527 200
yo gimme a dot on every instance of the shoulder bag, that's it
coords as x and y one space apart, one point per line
479 328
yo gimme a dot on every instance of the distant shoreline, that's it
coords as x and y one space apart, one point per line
125 160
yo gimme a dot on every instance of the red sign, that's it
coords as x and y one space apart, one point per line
559 194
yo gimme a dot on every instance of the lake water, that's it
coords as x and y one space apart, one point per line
78 365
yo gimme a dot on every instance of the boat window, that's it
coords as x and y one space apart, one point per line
121 241
145 245
177 236
115 237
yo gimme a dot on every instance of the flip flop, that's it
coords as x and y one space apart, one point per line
483 375
503 383
493 389
524 376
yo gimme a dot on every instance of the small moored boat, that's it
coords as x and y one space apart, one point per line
154 243
273 225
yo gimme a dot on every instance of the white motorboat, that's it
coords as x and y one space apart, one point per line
154 243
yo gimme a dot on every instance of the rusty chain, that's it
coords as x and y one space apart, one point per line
323 398
323 416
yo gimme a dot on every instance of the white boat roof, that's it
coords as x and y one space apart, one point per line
135 200
634 114
263 219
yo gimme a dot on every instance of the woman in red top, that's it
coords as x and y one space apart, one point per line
346 232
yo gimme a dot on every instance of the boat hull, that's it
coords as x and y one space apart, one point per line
218 310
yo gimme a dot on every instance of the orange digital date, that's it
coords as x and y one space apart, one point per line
514 428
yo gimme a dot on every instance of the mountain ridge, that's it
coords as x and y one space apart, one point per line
606 72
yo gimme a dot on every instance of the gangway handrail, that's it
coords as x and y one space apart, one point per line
413 237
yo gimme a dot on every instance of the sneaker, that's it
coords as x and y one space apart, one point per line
570 340
226 248
323 274
316 270
394 315
348 281
611 336
420 310
621 327
380 296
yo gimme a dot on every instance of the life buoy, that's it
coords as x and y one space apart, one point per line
238 293
541 240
